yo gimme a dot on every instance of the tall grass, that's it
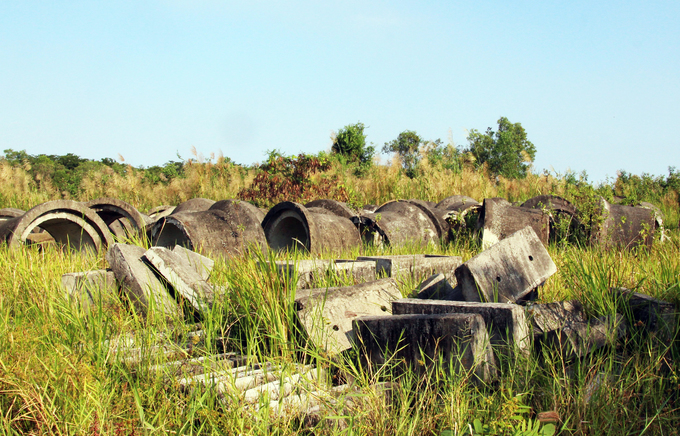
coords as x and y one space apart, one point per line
57 377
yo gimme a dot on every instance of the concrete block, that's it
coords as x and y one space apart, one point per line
508 271
436 287
417 266
312 272
648 313
90 288
501 219
360 271
140 282
185 280
203 265
417 341
506 323
549 317
578 339
327 313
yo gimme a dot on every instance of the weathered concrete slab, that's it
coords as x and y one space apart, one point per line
436 287
202 264
581 338
501 219
312 272
549 317
200 365
420 340
327 313
417 266
648 313
508 271
309 272
90 288
506 323
139 282
360 271
182 277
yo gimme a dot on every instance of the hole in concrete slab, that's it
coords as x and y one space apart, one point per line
531 257
383 308
498 279
336 328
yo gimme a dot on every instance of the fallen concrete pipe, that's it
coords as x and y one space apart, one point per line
228 205
122 218
291 225
501 219
230 230
398 223
194 205
437 216
619 226
336 207
564 217
68 222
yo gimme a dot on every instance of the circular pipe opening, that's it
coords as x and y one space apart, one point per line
171 234
288 231
69 230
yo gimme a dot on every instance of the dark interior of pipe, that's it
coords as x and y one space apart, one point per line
68 233
171 235
288 233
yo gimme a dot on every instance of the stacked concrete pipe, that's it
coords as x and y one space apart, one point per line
227 228
68 222
290 225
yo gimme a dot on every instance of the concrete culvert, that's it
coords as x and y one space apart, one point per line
437 216
624 226
337 207
291 225
229 231
398 223
194 205
122 218
565 223
228 205
68 222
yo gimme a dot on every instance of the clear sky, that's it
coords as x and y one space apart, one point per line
596 85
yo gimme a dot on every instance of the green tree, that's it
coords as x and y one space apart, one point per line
507 152
350 142
407 146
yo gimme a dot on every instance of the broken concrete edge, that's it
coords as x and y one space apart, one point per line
325 314
507 271
506 323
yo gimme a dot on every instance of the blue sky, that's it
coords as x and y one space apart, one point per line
596 85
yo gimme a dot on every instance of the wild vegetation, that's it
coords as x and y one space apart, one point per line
56 376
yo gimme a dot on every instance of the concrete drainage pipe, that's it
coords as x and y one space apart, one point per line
68 222
229 231
122 218
291 225
398 223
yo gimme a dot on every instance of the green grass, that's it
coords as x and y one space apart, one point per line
57 377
